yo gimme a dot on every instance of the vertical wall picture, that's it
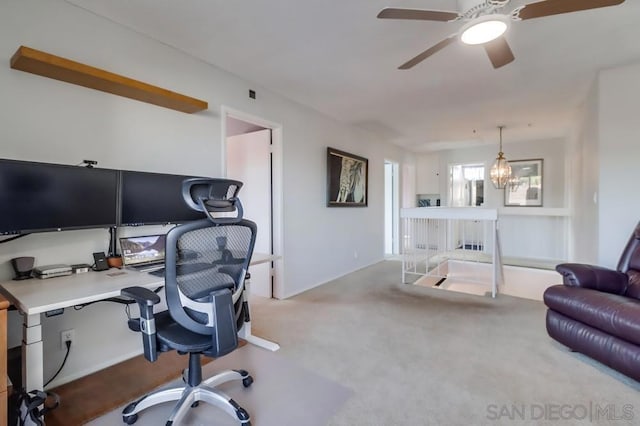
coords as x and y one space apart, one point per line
524 188
347 179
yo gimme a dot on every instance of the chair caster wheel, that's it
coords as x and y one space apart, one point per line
247 381
130 419
243 416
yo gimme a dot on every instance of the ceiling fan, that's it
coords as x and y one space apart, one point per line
485 24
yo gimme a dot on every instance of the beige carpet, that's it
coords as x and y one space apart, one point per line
422 356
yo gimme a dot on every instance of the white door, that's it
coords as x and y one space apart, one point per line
249 161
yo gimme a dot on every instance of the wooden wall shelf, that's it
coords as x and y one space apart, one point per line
47 65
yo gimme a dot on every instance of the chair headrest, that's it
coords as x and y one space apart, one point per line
214 196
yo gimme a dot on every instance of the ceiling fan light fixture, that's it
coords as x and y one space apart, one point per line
484 29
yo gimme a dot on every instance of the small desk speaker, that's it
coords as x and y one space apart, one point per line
22 266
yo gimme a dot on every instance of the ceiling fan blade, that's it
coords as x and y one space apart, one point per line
430 51
556 7
499 52
422 15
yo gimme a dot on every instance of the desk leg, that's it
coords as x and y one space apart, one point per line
32 354
245 331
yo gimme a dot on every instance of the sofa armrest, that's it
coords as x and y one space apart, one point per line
593 277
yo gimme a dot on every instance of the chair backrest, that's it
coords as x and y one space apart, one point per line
630 263
206 263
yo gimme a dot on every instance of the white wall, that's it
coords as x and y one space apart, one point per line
51 121
583 160
551 151
388 208
408 184
516 229
618 154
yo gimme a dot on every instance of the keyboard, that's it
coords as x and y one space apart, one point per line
147 267
187 268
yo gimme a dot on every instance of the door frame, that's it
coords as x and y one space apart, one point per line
394 207
277 192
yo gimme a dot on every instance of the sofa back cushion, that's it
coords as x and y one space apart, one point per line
630 258
634 257
630 263
633 290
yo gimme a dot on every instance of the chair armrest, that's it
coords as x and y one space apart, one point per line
225 335
593 277
141 295
146 324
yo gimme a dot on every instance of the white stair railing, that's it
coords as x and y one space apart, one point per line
431 237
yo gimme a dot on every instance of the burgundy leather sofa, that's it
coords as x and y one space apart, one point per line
597 310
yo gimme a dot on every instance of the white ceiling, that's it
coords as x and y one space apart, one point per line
338 58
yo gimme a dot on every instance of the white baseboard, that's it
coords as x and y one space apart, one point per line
331 279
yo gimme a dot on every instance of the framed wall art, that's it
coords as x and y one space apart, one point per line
347 179
524 188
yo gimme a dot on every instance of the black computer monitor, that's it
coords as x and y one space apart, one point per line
153 199
41 197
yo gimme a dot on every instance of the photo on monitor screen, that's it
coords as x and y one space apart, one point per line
142 249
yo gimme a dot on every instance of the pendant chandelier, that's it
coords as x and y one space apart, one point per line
501 170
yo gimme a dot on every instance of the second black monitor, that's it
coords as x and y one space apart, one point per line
154 199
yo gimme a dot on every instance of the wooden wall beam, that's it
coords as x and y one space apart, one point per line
47 65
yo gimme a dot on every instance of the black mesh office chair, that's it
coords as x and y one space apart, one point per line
205 268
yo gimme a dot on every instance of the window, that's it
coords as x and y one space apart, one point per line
466 185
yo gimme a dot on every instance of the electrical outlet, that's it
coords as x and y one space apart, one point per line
67 335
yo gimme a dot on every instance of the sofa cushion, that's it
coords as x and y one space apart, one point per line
614 314
610 350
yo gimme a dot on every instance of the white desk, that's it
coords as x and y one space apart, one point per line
34 297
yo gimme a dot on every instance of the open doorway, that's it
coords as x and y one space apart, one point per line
391 208
252 155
